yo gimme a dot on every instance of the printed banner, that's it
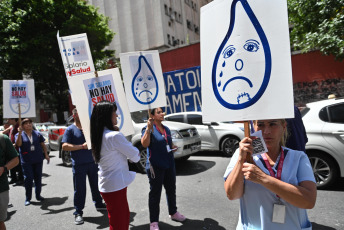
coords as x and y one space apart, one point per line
245 59
183 90
143 80
91 89
76 54
15 93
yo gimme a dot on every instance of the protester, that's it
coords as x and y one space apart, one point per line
83 165
8 160
7 128
297 137
266 201
32 152
160 167
16 173
111 150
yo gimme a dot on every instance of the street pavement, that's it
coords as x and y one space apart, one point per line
200 197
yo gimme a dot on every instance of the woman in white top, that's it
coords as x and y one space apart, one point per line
111 150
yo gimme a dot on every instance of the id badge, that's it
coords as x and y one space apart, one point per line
278 215
168 148
32 148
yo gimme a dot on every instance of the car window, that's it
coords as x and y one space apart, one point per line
323 114
177 118
304 111
194 119
336 113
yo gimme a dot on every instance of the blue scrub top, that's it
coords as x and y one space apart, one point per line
73 135
157 154
26 155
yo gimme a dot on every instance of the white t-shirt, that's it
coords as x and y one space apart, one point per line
256 204
114 173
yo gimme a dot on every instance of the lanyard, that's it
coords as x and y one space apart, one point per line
30 137
163 134
280 166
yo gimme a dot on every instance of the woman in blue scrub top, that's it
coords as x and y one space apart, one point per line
32 152
160 167
274 192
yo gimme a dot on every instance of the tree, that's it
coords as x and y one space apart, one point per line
317 24
28 44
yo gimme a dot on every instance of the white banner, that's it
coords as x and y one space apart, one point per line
245 60
88 90
76 54
19 92
143 80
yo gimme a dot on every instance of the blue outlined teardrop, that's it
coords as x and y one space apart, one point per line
144 86
240 64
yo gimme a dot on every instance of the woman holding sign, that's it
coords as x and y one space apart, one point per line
275 191
160 167
111 150
32 152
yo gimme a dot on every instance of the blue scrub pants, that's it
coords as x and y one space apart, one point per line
79 180
32 172
166 177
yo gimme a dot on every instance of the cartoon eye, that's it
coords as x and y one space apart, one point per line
149 78
251 46
229 51
139 79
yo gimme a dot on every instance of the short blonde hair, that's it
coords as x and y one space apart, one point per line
285 135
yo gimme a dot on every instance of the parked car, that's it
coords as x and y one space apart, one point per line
223 136
324 123
184 136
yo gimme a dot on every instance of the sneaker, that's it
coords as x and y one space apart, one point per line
178 217
27 203
78 219
10 205
154 226
40 198
101 207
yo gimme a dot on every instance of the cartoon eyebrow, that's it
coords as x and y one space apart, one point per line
252 40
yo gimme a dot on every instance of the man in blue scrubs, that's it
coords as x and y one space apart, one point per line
83 165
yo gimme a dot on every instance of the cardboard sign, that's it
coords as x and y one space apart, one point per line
20 92
88 90
143 80
76 54
245 60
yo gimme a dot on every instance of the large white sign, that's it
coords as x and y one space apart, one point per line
15 93
89 89
245 60
76 54
143 80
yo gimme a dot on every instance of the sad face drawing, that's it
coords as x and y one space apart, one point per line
242 65
144 85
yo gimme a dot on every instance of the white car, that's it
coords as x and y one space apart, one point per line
223 136
324 123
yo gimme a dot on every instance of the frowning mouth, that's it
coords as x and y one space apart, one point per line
237 78
146 91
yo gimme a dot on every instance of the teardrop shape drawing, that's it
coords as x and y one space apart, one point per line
244 84
144 86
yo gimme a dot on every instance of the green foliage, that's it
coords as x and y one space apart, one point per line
318 24
28 43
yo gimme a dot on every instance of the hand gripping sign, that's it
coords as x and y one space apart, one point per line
91 89
143 80
19 98
245 59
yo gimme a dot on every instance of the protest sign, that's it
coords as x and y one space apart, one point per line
245 60
76 54
143 80
91 89
20 92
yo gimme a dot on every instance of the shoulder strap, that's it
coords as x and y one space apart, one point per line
2 142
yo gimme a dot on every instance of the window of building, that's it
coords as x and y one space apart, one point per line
180 18
170 11
168 39
196 29
189 24
166 9
173 43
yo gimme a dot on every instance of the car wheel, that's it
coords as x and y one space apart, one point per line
324 168
66 158
141 165
229 145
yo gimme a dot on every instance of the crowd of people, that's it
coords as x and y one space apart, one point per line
274 190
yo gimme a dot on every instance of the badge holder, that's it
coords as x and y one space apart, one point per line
278 214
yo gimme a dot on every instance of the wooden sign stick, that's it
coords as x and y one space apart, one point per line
249 157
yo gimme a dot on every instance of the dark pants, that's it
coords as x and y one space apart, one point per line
13 173
166 177
118 209
79 179
32 172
